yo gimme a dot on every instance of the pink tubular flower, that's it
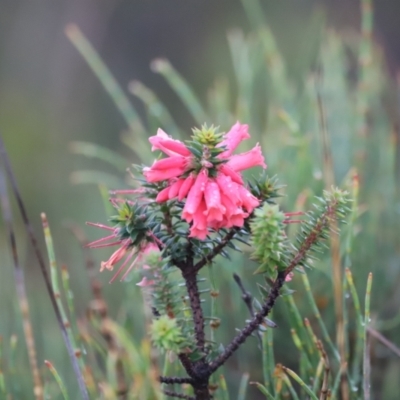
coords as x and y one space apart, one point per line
228 171
233 138
174 188
195 196
213 187
170 162
199 227
186 186
168 145
163 195
157 175
250 159
249 202
215 210
116 257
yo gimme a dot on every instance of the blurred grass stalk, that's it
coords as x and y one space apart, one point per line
329 179
19 280
326 128
54 273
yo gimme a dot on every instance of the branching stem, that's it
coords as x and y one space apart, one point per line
252 325
216 250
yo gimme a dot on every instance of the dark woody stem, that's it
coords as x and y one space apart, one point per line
190 276
256 321
187 364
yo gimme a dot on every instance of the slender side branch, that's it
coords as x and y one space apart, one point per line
248 300
216 250
187 364
178 395
309 241
252 325
172 380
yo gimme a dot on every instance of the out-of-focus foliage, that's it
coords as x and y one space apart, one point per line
338 126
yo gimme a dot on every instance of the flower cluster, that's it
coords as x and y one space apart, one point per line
207 176
203 174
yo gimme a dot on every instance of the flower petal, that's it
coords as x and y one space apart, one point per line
215 210
116 256
195 196
232 139
175 188
168 145
249 202
170 162
186 186
252 158
235 176
228 188
152 175
163 195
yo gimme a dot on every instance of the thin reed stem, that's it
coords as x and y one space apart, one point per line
21 290
329 178
32 237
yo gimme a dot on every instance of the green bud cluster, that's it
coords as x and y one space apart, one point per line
204 148
166 334
269 239
207 136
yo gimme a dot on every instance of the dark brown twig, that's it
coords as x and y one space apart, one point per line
187 364
178 395
246 296
172 380
248 300
252 325
240 338
215 251
42 264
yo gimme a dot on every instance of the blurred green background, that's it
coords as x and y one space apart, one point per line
49 97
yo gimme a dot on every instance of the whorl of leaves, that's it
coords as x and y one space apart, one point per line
265 188
134 221
269 239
